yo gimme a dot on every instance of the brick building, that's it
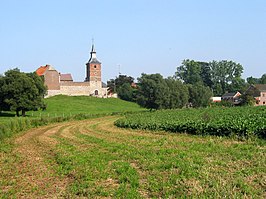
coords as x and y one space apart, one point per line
258 91
58 83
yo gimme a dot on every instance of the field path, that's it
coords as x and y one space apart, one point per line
95 159
32 174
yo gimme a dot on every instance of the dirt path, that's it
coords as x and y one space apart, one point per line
31 173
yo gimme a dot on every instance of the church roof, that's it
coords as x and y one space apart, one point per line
94 61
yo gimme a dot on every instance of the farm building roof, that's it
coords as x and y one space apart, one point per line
261 87
66 77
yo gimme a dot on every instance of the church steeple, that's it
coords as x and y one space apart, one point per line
93 68
93 58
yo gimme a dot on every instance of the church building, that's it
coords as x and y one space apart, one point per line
63 84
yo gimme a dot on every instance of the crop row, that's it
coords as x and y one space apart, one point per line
239 121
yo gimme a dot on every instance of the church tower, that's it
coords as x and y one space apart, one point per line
93 70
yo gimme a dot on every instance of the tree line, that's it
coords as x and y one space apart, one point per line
21 92
193 84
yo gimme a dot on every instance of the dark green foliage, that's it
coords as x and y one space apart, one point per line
114 84
190 72
177 96
243 122
126 92
152 90
226 77
220 76
21 91
155 92
251 80
199 95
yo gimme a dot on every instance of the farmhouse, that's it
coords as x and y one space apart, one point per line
59 83
258 91
232 97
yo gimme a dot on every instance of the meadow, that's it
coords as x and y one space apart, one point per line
86 156
95 159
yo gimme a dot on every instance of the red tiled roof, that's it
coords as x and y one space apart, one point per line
40 71
66 77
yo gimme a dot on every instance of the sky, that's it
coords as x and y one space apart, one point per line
131 36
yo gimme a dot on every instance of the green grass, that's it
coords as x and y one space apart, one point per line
99 160
61 106
105 161
89 105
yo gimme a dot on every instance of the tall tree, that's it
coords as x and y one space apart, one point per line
193 72
223 74
21 91
189 72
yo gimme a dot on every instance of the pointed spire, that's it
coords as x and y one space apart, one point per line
92 48
93 58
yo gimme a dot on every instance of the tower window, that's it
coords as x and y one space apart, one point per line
95 66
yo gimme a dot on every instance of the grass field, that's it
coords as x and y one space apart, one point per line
61 105
95 159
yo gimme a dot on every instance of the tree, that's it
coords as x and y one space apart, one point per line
252 80
263 79
224 73
189 72
199 95
152 91
21 91
114 84
125 92
177 96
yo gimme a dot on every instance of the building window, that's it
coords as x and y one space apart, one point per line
96 92
95 66
263 95
263 102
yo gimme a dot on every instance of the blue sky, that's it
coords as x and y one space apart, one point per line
137 36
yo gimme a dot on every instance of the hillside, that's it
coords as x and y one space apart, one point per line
62 105
83 104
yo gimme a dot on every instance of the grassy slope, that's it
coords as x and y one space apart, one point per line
65 105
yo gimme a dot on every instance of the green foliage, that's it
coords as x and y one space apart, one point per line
177 95
251 80
199 95
226 76
126 92
151 92
190 72
155 92
21 91
243 122
220 76
114 84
